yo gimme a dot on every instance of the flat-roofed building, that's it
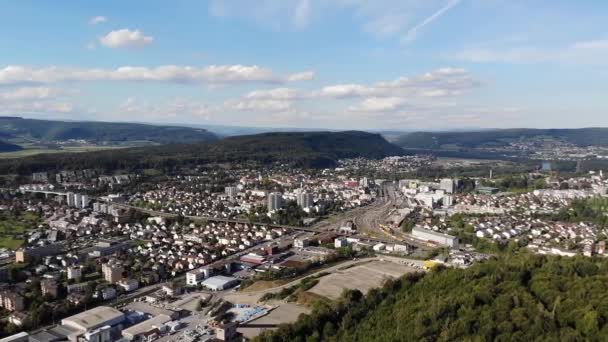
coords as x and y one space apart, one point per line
437 237
219 283
93 319
141 329
20 337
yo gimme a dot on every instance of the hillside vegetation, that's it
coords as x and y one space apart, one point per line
515 298
99 132
502 137
309 149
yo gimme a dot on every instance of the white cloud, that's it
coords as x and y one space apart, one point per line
179 109
379 104
276 94
98 20
301 76
166 73
36 100
440 82
29 93
257 105
126 38
36 107
385 100
591 52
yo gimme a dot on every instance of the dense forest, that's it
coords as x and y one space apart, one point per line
501 137
514 298
309 149
98 132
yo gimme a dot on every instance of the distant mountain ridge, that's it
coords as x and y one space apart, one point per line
502 137
99 132
304 149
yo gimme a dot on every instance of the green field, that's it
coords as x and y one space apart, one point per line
10 242
75 149
12 228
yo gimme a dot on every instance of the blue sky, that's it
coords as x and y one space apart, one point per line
344 64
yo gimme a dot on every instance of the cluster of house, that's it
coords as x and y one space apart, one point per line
313 194
390 164
80 178
179 249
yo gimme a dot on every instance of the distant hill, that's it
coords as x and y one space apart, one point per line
306 149
502 137
100 132
7 147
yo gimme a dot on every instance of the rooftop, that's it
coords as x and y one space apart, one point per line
93 318
218 281
146 326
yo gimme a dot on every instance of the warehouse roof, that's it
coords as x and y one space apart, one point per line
145 326
218 281
94 318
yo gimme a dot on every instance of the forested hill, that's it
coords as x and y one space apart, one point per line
98 132
7 147
523 298
306 149
502 137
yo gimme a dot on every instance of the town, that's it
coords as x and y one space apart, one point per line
93 257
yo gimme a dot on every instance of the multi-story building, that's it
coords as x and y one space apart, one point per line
74 272
84 201
12 301
77 200
231 191
448 185
49 287
70 199
40 177
25 254
195 277
305 200
112 273
275 201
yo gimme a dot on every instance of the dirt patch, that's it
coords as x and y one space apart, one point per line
261 285
361 277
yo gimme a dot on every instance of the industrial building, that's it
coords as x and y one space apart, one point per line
20 337
219 283
153 326
96 324
437 237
